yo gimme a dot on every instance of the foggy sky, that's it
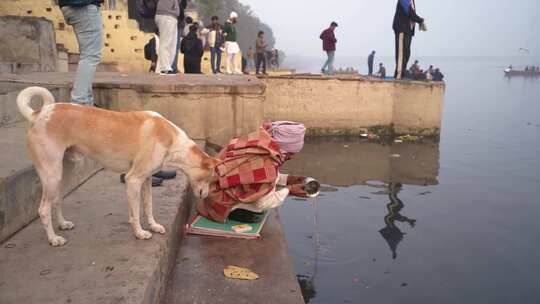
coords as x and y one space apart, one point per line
456 27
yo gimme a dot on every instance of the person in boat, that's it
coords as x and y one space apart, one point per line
248 176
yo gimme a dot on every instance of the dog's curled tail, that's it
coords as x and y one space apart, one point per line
25 96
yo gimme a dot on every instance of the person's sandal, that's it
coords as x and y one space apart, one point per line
156 181
165 174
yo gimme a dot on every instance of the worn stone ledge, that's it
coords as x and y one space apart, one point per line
198 276
102 262
151 83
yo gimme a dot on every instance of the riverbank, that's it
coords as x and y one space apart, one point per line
216 108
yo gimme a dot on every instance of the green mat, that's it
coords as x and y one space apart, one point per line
203 226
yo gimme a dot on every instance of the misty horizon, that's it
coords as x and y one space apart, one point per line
455 28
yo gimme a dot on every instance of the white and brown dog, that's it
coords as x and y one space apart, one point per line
138 143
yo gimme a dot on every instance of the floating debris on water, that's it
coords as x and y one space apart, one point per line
409 138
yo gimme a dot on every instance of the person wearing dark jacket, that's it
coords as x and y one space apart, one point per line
85 17
192 48
437 75
329 46
180 28
404 26
370 60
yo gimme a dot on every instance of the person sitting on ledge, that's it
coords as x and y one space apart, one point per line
248 177
382 71
437 75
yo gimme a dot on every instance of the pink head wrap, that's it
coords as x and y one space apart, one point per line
289 135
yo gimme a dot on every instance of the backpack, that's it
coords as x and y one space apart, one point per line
147 8
150 50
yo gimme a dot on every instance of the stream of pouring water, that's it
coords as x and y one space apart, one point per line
316 234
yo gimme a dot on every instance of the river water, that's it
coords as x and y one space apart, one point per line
454 222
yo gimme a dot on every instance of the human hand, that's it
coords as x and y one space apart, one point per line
297 190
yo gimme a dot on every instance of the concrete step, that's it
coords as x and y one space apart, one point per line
20 188
198 275
102 261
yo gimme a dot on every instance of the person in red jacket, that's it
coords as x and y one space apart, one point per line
329 46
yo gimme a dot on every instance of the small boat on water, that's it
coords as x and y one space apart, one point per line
531 73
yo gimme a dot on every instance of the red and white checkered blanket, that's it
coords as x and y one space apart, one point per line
249 170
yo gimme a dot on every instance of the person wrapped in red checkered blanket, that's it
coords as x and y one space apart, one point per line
248 175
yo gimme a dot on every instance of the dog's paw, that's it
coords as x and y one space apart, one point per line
143 235
67 225
157 228
57 241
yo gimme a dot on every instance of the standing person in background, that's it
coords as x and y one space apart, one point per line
250 58
151 51
192 48
371 59
231 45
215 41
260 53
167 13
85 17
329 46
187 24
179 36
404 25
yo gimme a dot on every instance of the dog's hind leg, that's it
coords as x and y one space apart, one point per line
49 166
134 188
62 222
148 210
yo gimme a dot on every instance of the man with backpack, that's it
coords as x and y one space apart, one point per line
404 25
150 51
85 17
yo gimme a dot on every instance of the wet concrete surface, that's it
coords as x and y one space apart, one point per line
102 261
198 276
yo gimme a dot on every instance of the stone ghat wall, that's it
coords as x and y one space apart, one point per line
217 108
337 106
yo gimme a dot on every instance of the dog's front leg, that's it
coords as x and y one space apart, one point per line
148 210
133 188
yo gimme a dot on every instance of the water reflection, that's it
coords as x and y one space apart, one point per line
391 233
344 162
339 163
